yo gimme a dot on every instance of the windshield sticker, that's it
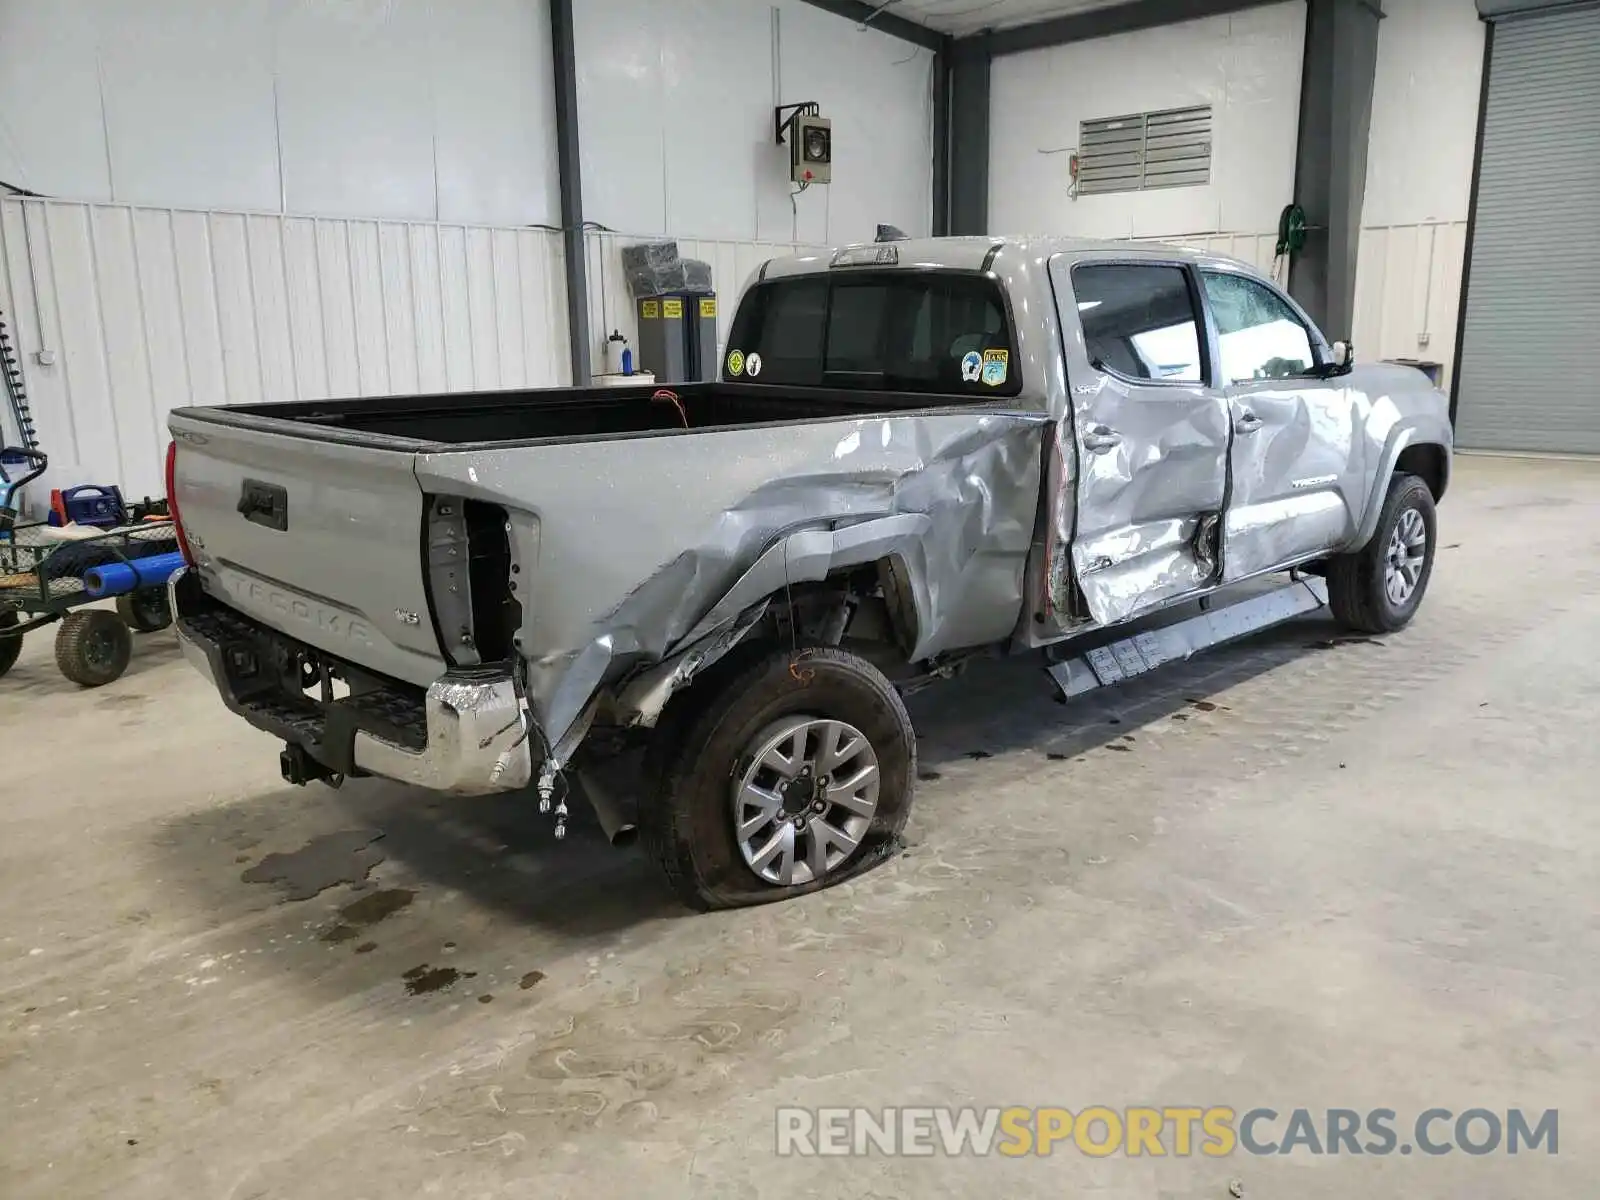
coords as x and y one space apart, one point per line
971 365
736 362
996 366
752 365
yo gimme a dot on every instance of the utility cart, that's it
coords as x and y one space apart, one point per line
52 573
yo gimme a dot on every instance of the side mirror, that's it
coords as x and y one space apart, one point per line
1344 355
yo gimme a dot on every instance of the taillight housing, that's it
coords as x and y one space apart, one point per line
172 502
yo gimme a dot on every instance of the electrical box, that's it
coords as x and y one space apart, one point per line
678 336
811 150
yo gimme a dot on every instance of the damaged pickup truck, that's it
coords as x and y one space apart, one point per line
917 452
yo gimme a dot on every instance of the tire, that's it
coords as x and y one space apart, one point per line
686 706
146 610
93 647
689 823
1359 582
10 644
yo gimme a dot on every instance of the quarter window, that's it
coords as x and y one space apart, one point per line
1259 335
1139 321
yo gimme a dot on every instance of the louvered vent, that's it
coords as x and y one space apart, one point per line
1171 148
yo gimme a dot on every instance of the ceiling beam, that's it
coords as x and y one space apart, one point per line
881 17
1130 17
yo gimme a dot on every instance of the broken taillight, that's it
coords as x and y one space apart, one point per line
172 502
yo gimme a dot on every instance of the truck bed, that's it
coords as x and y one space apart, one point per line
565 414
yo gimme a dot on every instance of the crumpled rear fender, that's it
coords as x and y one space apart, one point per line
802 556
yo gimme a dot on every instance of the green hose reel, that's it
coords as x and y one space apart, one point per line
1291 230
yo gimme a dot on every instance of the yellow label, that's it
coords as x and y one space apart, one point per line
650 310
672 310
708 307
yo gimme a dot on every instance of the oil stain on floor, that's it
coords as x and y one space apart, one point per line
323 862
366 911
423 980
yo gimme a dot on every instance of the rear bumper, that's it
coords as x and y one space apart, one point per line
466 734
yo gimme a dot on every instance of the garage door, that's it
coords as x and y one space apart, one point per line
1530 348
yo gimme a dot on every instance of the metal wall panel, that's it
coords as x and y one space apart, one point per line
1527 354
395 109
676 103
1408 292
1245 67
147 309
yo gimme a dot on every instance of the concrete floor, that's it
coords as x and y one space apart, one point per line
1287 874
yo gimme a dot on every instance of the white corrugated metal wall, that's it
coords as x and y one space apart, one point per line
1419 181
1245 66
1408 292
147 309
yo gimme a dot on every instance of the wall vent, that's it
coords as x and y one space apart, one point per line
1170 148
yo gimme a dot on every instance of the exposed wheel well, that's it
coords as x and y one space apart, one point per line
1428 463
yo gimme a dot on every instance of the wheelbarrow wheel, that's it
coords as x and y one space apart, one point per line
146 610
10 643
93 647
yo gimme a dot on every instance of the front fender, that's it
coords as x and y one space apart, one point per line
1416 431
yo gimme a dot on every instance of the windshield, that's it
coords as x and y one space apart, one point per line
896 330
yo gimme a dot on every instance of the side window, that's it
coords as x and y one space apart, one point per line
1139 321
1259 336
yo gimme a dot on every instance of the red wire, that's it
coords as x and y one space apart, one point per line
669 394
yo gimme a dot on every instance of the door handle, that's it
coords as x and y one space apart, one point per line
1248 422
1100 438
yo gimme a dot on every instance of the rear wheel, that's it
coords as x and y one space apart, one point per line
93 647
10 643
795 774
146 610
1378 588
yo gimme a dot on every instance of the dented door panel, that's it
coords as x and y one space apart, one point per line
1152 467
1297 466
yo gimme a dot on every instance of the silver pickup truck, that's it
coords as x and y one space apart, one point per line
917 451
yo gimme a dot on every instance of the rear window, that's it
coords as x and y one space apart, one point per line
891 330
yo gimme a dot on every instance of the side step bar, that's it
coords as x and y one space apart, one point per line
1130 656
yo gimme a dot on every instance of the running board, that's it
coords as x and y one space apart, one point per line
1119 660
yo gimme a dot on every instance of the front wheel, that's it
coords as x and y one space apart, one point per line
795 774
1378 588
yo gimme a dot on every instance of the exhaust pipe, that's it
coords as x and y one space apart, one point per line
615 822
